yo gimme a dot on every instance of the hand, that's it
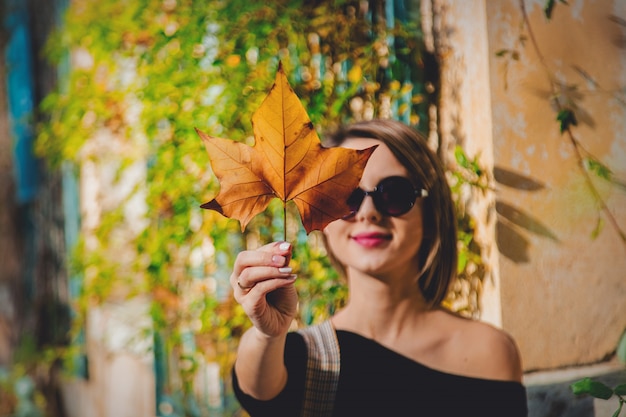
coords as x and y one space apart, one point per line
264 286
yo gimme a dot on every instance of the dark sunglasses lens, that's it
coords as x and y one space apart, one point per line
355 200
396 196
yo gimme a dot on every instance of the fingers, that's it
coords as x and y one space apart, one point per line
244 288
260 289
256 300
263 284
270 305
267 262
274 254
252 276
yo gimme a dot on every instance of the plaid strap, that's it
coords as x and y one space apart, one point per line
322 370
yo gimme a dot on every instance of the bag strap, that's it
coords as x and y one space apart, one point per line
322 369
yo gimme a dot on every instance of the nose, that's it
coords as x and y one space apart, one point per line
368 210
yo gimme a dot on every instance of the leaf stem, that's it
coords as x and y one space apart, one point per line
284 221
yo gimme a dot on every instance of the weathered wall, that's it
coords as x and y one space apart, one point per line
121 367
563 292
556 289
459 39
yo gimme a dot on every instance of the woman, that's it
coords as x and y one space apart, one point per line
401 352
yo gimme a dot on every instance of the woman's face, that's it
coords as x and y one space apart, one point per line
373 243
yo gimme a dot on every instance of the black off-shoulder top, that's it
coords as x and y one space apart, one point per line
376 381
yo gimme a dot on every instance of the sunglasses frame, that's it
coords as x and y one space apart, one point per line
376 195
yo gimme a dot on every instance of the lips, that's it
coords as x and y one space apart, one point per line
371 239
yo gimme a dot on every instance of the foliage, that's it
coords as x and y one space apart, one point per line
20 392
548 7
566 119
599 390
18 395
467 176
144 74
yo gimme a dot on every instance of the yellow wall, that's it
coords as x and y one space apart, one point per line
560 293
567 304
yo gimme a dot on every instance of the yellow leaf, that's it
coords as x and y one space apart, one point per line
355 74
287 162
233 60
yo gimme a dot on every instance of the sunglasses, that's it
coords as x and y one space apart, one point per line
393 196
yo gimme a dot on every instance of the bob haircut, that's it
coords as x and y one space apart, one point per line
438 251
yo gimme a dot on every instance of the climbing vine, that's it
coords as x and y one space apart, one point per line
566 117
143 75
564 99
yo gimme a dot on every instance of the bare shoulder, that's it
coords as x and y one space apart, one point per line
481 350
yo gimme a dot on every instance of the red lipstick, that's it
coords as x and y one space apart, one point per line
371 239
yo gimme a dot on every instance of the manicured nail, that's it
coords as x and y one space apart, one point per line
285 270
284 246
278 260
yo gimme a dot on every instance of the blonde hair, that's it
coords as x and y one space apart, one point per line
438 251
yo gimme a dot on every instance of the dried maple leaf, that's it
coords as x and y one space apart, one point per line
287 162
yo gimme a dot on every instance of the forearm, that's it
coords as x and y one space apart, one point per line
260 365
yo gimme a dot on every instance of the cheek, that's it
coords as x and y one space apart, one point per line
332 233
412 232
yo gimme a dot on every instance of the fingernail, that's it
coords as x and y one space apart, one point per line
285 270
284 246
279 260
292 277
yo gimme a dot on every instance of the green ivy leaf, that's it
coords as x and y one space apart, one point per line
594 388
462 262
461 157
548 8
598 168
566 118
596 230
620 389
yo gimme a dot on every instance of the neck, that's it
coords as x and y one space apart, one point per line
380 308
